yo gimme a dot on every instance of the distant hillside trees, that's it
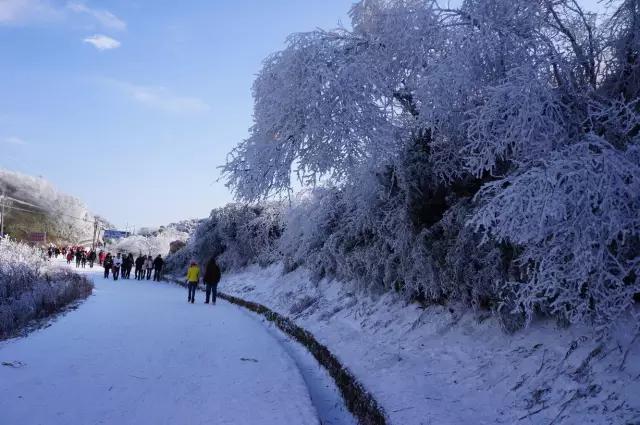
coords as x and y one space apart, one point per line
35 205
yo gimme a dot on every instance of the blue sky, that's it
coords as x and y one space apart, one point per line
132 105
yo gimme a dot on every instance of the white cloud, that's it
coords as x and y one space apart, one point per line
23 11
104 17
18 12
16 141
102 42
161 98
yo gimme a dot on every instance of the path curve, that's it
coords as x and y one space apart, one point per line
138 353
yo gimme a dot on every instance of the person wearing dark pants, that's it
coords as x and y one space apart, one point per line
193 277
116 268
211 279
158 263
148 266
107 264
139 266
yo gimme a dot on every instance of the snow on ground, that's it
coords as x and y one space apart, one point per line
138 353
322 389
439 366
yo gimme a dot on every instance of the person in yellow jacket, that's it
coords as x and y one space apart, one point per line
193 277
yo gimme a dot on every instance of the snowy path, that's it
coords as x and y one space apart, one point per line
137 354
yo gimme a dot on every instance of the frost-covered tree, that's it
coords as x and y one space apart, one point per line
486 153
236 234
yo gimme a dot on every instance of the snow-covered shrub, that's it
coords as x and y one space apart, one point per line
152 243
29 288
576 217
518 121
236 234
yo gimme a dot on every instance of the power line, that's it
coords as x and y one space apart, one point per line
23 202
43 210
22 209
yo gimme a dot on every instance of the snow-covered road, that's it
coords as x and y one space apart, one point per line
138 353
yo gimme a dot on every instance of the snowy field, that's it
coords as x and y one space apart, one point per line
138 353
445 366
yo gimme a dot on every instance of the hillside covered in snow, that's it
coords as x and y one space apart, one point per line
34 205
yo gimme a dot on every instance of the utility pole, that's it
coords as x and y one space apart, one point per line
95 231
2 198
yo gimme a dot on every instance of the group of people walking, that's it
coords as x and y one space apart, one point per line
121 266
81 255
53 251
144 266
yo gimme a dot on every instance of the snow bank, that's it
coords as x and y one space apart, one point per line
31 288
447 365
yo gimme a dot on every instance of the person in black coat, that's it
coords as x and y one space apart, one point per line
211 279
139 264
130 262
123 268
158 264
107 264
91 258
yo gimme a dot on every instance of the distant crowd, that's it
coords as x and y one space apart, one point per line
121 266
81 255
118 266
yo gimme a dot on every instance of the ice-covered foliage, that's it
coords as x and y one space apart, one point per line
44 208
30 288
237 234
576 217
151 242
486 153
184 226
